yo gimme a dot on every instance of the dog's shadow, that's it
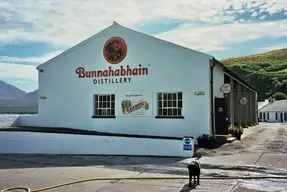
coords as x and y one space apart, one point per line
186 188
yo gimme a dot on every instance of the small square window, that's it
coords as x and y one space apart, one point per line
170 96
159 97
104 105
171 104
160 104
164 112
165 103
165 97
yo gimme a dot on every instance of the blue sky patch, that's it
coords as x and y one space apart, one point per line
27 49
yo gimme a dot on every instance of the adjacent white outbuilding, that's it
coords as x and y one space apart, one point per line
274 111
123 81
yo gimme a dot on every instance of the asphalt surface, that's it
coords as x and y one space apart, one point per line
269 138
265 147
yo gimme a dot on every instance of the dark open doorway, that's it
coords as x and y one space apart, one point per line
221 116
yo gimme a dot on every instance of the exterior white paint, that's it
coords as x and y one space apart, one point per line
51 143
173 68
262 104
218 81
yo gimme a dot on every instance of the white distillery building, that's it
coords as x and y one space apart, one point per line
121 81
274 111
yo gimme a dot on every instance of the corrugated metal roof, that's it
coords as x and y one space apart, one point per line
280 105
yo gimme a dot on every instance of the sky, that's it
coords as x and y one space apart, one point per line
34 31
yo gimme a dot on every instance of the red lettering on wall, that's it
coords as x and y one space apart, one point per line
81 72
123 71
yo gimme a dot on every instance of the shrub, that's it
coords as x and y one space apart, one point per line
235 130
279 96
205 141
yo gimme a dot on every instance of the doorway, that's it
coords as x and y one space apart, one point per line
221 116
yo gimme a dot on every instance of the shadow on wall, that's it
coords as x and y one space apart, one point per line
16 122
9 121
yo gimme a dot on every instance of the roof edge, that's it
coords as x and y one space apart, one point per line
205 55
198 53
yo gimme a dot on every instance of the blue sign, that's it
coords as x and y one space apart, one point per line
187 147
187 141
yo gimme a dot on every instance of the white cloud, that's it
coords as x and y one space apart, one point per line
241 11
262 17
210 38
62 23
36 60
271 48
18 71
254 14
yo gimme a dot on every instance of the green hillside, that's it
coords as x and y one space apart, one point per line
266 71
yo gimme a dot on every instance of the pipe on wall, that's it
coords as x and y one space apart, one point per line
212 97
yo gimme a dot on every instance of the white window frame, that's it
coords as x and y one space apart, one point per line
97 102
163 107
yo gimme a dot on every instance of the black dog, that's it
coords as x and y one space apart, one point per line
194 169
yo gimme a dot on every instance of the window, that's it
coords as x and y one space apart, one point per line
104 106
169 105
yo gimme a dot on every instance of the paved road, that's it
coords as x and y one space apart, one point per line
268 138
267 147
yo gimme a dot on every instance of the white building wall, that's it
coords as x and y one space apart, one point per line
218 81
272 116
69 100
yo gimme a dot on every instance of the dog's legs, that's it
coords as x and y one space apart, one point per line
190 178
198 179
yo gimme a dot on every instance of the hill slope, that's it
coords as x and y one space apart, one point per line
8 91
14 100
266 71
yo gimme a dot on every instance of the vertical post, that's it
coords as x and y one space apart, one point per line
252 108
245 106
256 108
239 105
248 113
235 110
231 103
